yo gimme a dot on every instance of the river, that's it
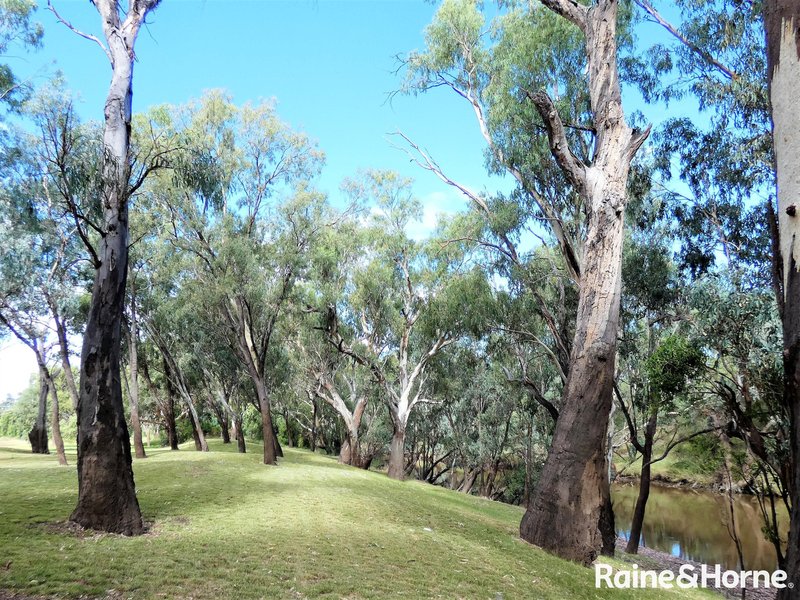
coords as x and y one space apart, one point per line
694 524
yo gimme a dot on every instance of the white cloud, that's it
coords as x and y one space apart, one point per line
436 206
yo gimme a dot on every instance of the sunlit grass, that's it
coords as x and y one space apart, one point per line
225 526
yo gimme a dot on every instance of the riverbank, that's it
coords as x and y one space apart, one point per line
649 558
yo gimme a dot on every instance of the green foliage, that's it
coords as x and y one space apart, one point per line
17 30
17 420
671 367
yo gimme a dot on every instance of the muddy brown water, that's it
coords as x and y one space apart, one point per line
695 525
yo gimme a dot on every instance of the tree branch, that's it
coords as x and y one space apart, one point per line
570 10
573 167
77 31
648 8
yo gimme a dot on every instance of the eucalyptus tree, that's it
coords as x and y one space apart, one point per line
221 208
405 304
783 72
106 490
344 385
591 143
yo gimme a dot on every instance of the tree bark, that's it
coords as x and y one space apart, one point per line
272 448
106 490
782 27
396 452
38 433
571 501
644 486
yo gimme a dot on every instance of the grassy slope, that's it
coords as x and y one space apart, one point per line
227 527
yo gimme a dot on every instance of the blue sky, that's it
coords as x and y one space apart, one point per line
330 64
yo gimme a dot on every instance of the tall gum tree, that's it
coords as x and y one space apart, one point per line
573 489
106 491
569 514
782 27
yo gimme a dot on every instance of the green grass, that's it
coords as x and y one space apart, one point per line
225 526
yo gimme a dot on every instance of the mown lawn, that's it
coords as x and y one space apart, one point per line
225 526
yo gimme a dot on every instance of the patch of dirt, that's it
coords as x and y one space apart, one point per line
73 529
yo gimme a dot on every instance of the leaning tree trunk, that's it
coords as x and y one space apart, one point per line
55 420
38 433
569 511
106 490
198 445
782 25
644 486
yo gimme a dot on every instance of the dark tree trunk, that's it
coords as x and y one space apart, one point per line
314 425
781 19
644 487
289 438
169 422
169 409
38 433
226 433
107 495
271 445
223 420
240 435
276 445
607 527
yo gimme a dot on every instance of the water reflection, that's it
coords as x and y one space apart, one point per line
695 525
